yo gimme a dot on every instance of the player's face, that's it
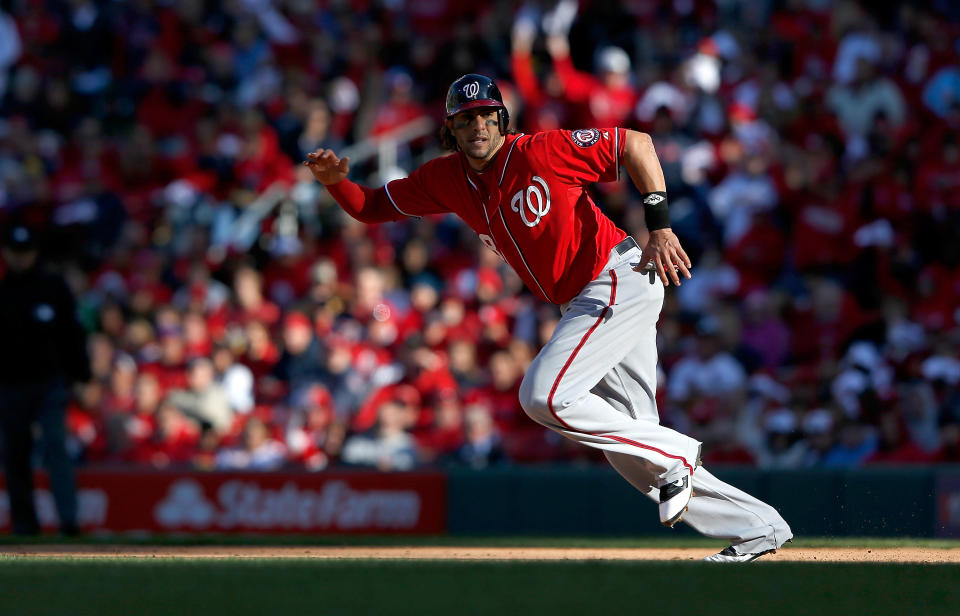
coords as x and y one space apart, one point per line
477 132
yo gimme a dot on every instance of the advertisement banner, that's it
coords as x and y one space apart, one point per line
336 503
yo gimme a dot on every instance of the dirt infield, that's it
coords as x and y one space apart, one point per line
879 555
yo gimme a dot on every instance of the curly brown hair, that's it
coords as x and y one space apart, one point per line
447 140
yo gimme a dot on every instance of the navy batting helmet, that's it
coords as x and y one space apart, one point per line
473 91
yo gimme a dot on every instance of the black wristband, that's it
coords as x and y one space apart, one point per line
656 211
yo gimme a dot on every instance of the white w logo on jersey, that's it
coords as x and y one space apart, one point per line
471 89
523 202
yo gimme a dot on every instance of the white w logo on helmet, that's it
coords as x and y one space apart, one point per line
471 89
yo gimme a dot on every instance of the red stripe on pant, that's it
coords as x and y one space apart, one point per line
556 383
642 446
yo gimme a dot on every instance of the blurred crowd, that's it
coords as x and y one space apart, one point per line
238 319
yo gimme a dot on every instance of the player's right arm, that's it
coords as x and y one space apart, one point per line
397 200
327 167
663 248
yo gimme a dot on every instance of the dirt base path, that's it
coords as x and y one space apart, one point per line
882 555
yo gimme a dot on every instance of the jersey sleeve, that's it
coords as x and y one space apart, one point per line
419 194
585 155
398 199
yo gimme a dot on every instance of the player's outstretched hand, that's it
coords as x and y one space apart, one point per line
668 257
327 167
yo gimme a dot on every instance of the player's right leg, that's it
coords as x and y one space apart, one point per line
612 316
717 509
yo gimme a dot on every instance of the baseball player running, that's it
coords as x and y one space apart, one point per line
595 380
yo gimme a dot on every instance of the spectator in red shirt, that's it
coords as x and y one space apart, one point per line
261 163
173 442
314 433
722 445
444 436
86 424
606 99
261 353
120 398
824 324
503 390
544 107
400 107
895 445
196 337
138 428
252 305
170 370
759 254
949 452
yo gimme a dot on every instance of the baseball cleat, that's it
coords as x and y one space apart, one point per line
730 555
674 498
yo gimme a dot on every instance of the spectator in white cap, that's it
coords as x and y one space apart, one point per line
818 431
783 447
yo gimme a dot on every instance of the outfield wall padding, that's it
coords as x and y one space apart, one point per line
597 501
590 500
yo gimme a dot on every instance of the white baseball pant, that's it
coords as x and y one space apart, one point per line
595 382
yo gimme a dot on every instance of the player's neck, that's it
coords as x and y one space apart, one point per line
482 164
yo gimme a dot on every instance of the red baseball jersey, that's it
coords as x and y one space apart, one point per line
530 205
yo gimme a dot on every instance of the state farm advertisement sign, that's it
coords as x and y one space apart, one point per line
256 502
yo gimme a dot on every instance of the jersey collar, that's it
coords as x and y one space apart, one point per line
498 166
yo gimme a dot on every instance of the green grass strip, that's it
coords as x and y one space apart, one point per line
269 586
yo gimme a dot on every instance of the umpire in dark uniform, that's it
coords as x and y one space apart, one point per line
44 353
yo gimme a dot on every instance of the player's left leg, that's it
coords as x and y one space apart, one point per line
717 509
